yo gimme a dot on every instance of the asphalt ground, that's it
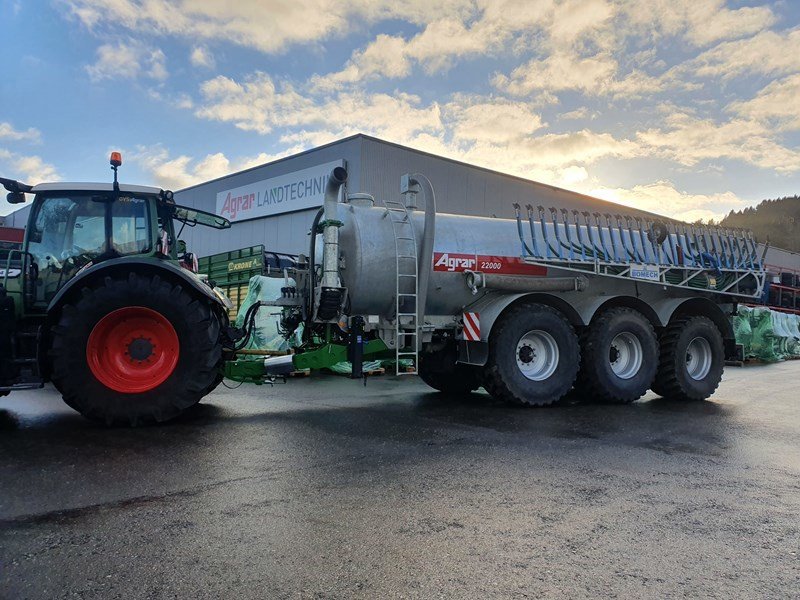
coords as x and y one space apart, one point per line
322 488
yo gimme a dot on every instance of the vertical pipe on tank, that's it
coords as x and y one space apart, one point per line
750 242
594 249
565 218
554 217
579 233
725 247
642 241
687 244
655 246
626 254
673 244
609 256
547 248
736 255
697 250
526 251
535 244
330 231
628 222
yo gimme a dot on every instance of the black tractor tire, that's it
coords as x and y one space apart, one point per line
438 369
509 346
603 352
691 361
196 332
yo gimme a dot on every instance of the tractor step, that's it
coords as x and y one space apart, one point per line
32 385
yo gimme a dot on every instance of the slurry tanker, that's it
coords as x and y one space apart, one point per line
528 308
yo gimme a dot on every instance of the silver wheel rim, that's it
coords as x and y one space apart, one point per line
537 355
625 355
698 358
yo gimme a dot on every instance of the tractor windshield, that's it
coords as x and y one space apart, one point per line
71 230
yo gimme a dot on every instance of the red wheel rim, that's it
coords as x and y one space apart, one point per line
132 350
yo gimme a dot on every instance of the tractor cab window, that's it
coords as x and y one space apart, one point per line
72 231
131 231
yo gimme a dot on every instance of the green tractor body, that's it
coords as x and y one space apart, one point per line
102 300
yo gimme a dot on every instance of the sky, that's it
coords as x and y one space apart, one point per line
689 108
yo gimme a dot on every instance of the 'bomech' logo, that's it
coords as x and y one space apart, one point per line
455 262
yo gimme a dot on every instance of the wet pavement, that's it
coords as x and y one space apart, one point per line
322 488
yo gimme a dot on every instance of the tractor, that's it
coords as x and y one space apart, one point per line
103 300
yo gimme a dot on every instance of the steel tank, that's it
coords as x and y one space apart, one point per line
368 252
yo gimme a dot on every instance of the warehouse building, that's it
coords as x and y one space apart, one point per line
274 204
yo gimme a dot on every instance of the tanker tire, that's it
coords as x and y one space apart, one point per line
597 378
504 380
453 379
673 379
194 374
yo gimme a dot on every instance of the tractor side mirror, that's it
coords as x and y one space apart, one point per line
15 198
181 248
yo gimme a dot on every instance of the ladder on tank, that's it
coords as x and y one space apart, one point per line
407 326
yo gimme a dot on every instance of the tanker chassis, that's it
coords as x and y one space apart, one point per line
527 308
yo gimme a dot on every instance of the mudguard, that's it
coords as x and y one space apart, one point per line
127 264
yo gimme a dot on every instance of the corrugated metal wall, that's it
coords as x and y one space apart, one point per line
466 189
779 259
19 218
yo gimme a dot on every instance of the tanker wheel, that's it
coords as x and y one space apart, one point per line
620 357
439 370
691 360
152 350
534 356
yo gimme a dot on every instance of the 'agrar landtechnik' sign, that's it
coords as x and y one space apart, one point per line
285 193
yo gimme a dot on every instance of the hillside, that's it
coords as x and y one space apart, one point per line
778 220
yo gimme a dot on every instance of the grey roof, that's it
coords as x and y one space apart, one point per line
67 186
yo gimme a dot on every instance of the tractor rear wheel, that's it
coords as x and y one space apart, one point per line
135 350
534 356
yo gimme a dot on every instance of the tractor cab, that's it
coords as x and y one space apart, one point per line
72 226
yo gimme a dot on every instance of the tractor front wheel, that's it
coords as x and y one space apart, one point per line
135 350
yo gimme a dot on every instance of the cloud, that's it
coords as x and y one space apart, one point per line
258 104
492 120
183 171
701 22
29 169
766 53
688 140
662 197
128 61
777 105
265 26
7 132
202 57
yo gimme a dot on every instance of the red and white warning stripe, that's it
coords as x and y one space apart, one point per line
472 327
